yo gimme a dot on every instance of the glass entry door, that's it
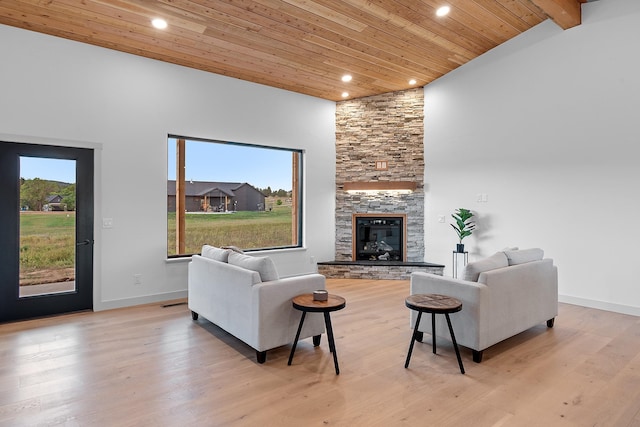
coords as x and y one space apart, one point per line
46 242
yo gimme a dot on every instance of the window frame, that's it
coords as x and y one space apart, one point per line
297 191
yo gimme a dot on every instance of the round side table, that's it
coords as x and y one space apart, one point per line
434 304
307 304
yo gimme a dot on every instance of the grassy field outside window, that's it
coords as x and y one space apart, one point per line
244 229
47 247
47 242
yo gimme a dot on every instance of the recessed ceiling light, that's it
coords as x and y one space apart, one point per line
346 78
159 23
345 94
442 11
412 82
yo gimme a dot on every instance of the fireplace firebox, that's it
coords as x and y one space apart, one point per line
379 237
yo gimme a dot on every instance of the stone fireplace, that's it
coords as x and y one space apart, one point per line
379 174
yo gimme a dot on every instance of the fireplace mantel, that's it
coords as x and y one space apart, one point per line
380 186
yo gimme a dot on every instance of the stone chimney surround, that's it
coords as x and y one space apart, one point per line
379 147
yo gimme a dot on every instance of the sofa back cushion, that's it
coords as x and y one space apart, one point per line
262 264
473 269
523 256
215 253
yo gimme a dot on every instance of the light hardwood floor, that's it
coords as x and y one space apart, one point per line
153 366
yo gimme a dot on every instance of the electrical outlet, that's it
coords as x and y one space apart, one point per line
137 279
440 218
107 222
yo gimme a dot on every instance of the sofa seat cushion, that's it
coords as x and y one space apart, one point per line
262 264
215 253
523 256
473 269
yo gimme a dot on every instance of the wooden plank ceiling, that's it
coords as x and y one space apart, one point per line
305 46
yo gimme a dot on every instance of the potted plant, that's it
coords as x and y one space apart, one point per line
463 226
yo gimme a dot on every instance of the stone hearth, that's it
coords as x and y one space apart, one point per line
393 270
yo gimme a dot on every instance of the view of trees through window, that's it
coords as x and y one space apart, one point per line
231 194
43 195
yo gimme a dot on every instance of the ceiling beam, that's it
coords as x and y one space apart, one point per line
565 13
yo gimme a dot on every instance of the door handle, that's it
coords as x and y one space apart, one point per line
84 242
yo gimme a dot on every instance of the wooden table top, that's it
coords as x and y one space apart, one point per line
306 302
433 303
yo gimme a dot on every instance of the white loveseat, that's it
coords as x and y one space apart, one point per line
243 295
502 295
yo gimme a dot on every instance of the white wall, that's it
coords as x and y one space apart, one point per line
547 126
63 92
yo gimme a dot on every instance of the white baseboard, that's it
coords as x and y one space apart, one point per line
149 299
130 302
607 306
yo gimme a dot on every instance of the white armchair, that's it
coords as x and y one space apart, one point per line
234 297
501 296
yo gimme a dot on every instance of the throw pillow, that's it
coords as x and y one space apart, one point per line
524 255
262 264
473 269
217 254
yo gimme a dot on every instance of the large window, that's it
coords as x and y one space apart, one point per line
231 194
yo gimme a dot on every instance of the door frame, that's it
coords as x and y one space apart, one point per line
12 307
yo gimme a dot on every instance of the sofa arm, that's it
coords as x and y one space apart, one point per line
277 321
467 323
524 295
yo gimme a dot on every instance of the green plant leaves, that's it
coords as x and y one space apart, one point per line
463 226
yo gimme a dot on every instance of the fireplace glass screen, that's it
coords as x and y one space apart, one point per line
379 238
